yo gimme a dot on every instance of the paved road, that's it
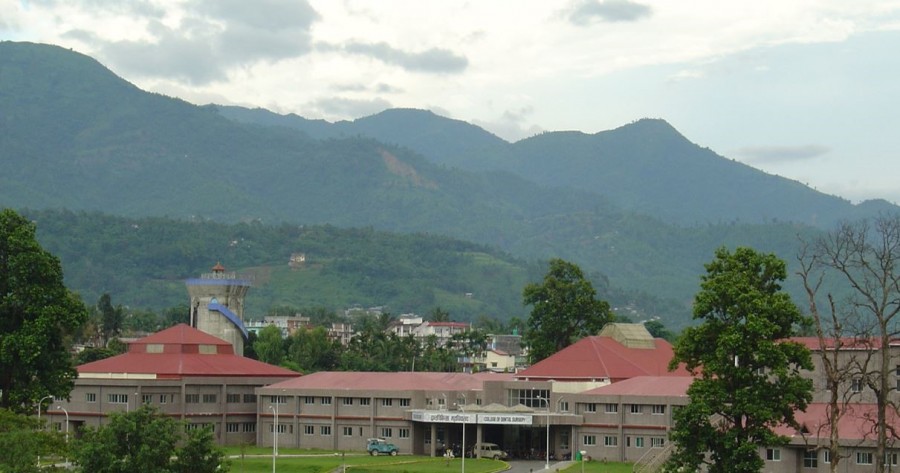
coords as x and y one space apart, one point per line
534 466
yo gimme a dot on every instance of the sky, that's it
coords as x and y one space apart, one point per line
804 89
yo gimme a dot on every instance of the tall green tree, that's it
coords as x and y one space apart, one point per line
749 378
564 309
36 311
111 317
269 345
147 441
22 442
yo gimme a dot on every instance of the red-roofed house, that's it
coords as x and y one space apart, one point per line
182 371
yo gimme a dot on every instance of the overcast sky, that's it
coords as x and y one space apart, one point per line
805 89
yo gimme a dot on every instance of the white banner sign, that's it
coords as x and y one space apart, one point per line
505 419
456 417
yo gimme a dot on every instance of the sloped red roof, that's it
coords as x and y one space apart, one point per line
181 356
404 381
857 423
596 357
646 386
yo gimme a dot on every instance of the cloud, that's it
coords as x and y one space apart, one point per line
341 108
511 125
434 60
586 12
209 39
780 154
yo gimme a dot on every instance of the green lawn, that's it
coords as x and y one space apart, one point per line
259 460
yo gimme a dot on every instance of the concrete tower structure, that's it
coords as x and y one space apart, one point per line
217 305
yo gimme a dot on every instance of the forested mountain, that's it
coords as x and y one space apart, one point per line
646 167
74 136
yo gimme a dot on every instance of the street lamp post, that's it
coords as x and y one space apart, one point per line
40 407
547 450
462 451
61 408
274 409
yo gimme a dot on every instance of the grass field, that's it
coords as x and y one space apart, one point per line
259 460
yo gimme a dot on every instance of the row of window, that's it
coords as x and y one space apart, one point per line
345 401
347 431
170 398
811 457
611 408
613 441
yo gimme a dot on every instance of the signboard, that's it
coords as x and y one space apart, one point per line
444 416
505 419
456 417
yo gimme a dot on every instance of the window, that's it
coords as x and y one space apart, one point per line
387 432
563 406
659 409
190 427
610 408
589 440
249 426
146 398
810 459
639 442
326 401
564 440
282 428
232 398
348 431
856 385
864 458
309 400
365 401
117 398
404 433
278 399
309 429
166 398
90 397
232 427
404 402
637 409
209 399
890 459
773 454
826 456
325 430
610 441
657 442
192 398
387 402
347 401
535 398
155 347
248 398
590 407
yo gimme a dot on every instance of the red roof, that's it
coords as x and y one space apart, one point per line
646 386
847 343
182 351
857 423
404 381
596 358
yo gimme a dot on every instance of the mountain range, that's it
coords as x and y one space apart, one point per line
640 206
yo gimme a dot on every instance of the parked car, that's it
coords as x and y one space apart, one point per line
380 446
489 450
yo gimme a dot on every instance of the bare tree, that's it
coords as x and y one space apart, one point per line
864 255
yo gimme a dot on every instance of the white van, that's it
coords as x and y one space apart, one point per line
489 450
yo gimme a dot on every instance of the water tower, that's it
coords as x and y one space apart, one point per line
217 305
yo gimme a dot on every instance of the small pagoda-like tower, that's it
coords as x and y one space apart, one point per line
217 305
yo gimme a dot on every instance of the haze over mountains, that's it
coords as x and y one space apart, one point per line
640 205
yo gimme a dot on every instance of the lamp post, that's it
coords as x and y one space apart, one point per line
462 451
40 407
61 408
274 409
547 450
